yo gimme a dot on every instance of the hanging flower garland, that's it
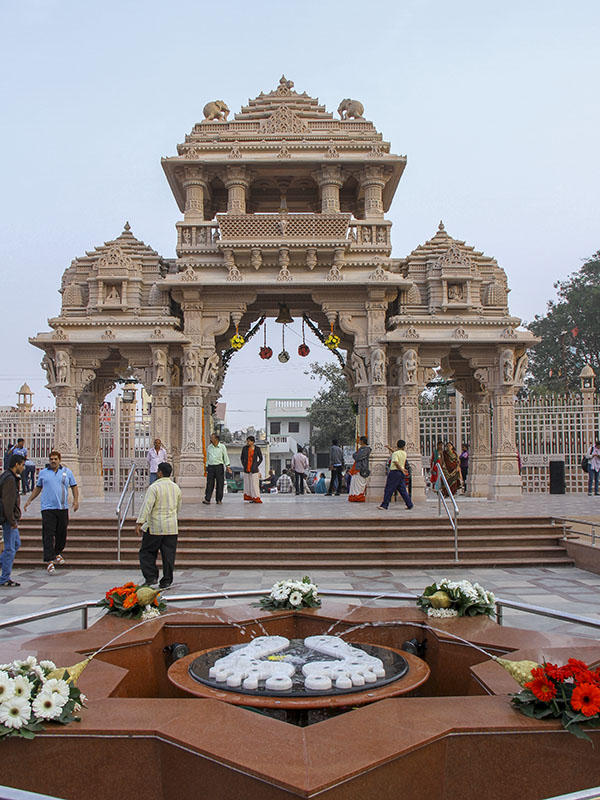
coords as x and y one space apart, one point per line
322 339
265 351
284 356
332 341
237 341
303 349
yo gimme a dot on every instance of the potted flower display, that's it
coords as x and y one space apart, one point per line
448 598
133 601
292 595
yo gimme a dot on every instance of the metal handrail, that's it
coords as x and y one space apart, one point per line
451 517
564 520
584 794
85 605
130 502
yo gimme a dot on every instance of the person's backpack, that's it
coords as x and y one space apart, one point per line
585 464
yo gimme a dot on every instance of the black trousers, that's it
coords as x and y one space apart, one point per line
336 480
215 474
54 531
151 545
299 478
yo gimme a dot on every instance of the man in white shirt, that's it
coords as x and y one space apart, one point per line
156 455
217 462
396 479
299 465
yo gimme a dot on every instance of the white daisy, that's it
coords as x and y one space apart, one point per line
22 687
14 713
57 686
48 705
30 661
295 599
7 686
47 666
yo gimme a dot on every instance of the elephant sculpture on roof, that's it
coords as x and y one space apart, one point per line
216 110
351 108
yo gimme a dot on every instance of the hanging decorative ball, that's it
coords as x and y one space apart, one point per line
303 349
332 341
265 352
284 356
237 341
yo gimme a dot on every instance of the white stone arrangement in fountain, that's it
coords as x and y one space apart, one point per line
246 666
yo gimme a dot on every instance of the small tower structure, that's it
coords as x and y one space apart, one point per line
25 398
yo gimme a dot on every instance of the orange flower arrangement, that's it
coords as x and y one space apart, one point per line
570 693
124 601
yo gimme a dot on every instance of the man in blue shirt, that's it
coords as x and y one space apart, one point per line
27 477
53 484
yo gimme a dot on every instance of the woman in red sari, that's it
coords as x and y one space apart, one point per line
451 467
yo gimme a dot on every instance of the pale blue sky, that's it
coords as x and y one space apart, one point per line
495 105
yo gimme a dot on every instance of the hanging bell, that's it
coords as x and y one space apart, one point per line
284 317
284 356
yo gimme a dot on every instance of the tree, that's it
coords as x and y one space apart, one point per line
331 414
570 332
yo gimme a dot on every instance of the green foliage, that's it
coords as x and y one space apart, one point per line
555 363
331 414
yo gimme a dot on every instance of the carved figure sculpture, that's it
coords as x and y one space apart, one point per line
358 365
63 363
378 366
521 369
211 369
190 366
507 366
351 108
216 110
112 294
48 365
409 363
455 291
284 84
160 366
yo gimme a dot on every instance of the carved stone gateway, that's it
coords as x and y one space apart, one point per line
285 196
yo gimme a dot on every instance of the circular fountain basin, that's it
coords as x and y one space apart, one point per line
300 676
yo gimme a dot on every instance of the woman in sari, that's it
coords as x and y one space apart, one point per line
251 458
436 464
360 472
451 467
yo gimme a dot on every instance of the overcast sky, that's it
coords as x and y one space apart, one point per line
495 106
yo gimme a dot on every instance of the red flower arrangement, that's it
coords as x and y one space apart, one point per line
130 600
570 693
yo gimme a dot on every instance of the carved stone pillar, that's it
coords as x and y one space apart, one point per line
65 433
372 181
237 183
90 462
176 430
478 480
330 181
161 415
505 481
195 184
410 430
378 438
191 459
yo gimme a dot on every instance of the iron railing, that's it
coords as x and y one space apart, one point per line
563 521
452 516
122 512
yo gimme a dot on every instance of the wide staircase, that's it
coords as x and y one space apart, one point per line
330 544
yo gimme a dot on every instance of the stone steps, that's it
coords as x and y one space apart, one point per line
405 541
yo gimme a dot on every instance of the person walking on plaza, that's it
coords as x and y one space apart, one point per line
336 465
10 513
20 450
594 467
299 465
360 472
217 461
284 484
53 484
396 479
251 458
158 524
156 455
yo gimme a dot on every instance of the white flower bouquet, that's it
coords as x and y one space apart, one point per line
448 598
31 695
291 595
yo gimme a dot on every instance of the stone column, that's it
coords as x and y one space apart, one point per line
377 416
505 481
410 382
175 440
478 480
237 183
372 181
92 483
195 184
65 432
330 181
161 415
191 460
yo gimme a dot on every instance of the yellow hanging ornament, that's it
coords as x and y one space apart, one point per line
74 671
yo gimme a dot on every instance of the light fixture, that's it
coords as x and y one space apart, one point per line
284 317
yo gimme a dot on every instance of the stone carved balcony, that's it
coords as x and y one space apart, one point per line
197 237
368 235
314 229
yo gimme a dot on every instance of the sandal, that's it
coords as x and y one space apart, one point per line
59 560
50 568
9 584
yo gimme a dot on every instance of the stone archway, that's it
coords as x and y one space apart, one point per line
285 200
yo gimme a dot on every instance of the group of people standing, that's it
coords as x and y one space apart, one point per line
455 469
